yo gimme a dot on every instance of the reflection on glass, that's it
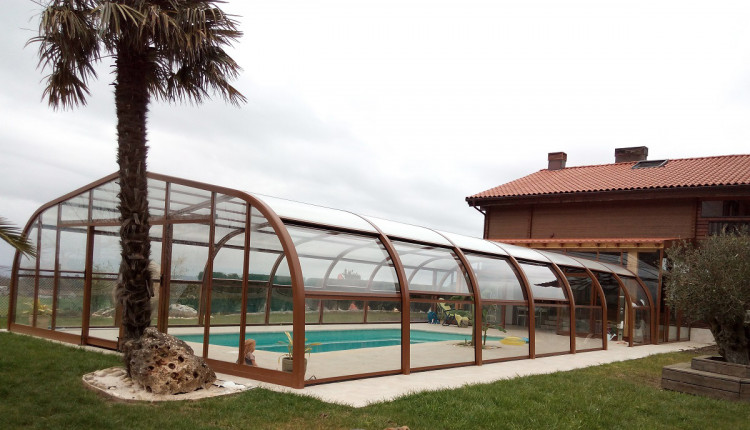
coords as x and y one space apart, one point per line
104 202
306 212
335 261
552 329
400 230
184 303
24 305
648 271
637 293
581 285
256 304
473 243
513 342
642 326
543 281
432 269
496 277
588 328
281 306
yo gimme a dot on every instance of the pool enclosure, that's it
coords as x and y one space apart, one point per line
380 297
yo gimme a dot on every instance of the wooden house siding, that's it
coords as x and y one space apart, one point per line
509 222
621 219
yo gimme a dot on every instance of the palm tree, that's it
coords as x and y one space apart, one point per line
12 235
169 49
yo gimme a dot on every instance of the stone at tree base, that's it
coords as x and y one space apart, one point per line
163 364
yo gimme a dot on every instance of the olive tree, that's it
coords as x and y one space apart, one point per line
710 282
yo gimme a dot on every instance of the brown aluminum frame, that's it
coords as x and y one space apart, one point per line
299 294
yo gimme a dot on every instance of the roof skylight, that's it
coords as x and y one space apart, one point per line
645 164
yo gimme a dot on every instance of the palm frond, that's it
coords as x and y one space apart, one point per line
69 46
12 235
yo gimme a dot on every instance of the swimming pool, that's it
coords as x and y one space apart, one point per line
332 340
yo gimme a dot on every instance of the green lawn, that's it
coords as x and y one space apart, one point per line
40 387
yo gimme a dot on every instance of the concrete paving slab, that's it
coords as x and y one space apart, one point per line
362 392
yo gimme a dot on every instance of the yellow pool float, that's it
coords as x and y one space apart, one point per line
513 340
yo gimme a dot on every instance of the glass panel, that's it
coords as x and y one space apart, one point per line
75 209
588 328
184 303
552 333
312 311
343 311
523 253
346 349
155 233
281 306
25 300
496 277
648 271
561 259
578 254
673 326
334 261
226 314
105 201
432 269
228 273
610 257
256 304
70 303
408 231
593 265
28 262
156 196
70 291
616 305
636 291
47 249
618 269
105 268
544 283
379 312
581 285
189 251
288 209
189 203
511 343
44 300
473 243
440 344
642 326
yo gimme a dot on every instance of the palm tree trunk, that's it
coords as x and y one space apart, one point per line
134 287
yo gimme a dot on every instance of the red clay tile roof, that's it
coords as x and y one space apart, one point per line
678 173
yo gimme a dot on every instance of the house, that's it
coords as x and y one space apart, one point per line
627 212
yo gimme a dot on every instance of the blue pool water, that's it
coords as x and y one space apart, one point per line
332 340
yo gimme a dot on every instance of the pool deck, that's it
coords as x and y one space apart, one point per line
362 392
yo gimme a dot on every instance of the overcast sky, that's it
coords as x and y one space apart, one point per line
400 109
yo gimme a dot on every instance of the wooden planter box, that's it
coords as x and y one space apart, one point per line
708 376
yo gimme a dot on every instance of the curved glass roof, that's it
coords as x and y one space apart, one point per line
523 253
408 231
474 244
243 260
291 210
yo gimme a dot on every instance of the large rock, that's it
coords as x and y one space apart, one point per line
177 310
163 364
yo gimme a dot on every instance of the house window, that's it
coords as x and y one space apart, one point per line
725 208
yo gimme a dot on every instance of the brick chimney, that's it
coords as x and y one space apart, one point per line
556 160
634 153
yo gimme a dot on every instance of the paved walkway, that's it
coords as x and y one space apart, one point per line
362 392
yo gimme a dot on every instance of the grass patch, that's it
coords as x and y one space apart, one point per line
40 384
